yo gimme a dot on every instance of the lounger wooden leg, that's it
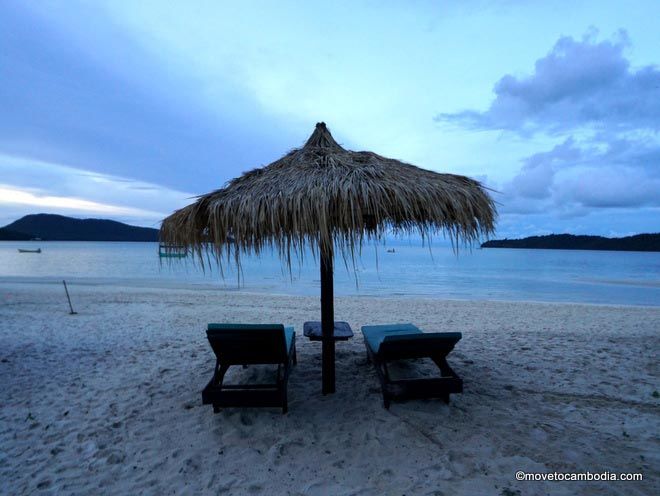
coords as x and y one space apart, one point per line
447 372
444 367
282 384
285 401
386 373
214 380
220 371
218 377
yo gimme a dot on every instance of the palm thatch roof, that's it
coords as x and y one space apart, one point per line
323 196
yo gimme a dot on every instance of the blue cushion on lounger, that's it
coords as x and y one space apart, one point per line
376 334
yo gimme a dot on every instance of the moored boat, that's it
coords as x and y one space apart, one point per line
171 251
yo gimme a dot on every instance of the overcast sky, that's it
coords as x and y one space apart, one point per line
126 110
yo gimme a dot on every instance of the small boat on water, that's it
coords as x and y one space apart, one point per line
391 250
172 251
23 250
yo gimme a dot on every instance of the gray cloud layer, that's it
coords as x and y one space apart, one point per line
572 179
579 83
608 117
117 112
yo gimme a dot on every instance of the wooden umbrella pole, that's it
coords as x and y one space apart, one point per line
327 323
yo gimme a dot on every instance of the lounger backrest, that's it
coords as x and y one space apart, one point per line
248 343
401 346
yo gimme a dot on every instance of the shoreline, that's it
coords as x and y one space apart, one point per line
173 285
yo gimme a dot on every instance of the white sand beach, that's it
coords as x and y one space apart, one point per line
108 401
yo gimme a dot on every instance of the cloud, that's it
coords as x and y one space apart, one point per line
537 174
84 93
574 178
603 116
30 185
13 196
622 222
608 187
578 84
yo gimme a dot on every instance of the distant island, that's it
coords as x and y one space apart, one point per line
639 242
49 227
9 235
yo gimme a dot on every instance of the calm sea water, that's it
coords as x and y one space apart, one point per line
627 278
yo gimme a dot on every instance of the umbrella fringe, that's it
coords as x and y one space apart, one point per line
332 200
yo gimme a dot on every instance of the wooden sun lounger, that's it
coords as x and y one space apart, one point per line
243 344
387 343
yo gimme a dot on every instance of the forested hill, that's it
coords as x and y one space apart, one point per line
50 227
9 235
639 242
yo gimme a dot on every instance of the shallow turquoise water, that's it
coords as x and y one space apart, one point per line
627 278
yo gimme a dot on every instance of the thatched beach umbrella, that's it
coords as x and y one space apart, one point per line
329 198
